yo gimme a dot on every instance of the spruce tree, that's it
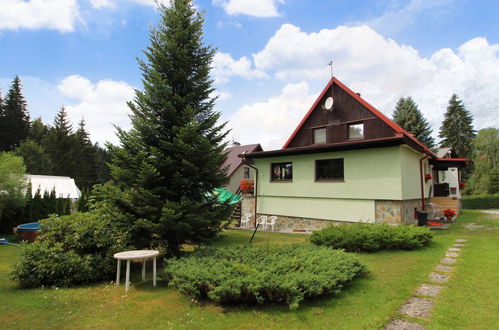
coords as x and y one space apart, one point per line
84 154
457 128
170 160
59 144
409 117
14 117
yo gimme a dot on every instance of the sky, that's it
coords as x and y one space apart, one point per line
271 61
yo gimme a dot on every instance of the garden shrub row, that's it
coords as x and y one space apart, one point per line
481 202
70 250
372 237
263 274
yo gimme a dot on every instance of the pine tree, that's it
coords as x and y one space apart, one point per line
38 130
59 143
84 154
409 117
14 118
170 160
457 128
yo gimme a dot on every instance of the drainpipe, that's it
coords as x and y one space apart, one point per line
256 184
421 179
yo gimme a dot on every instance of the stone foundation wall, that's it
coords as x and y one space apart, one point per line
248 206
397 212
288 224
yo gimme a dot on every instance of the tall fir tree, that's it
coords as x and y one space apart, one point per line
409 117
170 160
38 130
84 154
59 144
15 117
457 128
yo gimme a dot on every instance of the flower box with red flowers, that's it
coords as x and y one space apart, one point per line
427 177
247 186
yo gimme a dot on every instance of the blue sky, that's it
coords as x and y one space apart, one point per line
271 59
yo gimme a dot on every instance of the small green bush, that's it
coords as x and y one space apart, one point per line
480 202
71 250
372 237
263 274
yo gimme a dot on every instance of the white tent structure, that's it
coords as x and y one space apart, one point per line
64 186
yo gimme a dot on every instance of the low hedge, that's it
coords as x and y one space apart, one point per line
372 237
70 250
263 274
480 202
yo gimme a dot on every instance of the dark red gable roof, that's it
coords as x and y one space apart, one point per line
412 141
233 161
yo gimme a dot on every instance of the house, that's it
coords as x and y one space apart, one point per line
236 171
63 186
345 162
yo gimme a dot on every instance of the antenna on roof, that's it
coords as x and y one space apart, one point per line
331 66
328 104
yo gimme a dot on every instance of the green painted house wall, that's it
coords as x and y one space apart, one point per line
388 173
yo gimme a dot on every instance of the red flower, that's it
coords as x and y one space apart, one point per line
246 186
449 213
427 177
462 185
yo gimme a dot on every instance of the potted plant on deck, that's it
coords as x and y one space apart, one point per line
449 214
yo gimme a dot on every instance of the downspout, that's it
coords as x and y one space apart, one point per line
421 179
256 184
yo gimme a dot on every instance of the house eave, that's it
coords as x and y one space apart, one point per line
350 145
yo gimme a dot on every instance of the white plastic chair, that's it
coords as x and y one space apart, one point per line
271 221
262 221
245 221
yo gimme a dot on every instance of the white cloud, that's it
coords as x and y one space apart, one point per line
60 15
101 104
396 20
272 121
381 70
98 4
224 66
257 8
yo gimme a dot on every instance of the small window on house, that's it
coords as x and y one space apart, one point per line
281 172
329 170
356 131
320 135
246 172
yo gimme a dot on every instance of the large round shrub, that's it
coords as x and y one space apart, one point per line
372 237
262 274
71 250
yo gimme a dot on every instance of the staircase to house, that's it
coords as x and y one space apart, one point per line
236 213
447 203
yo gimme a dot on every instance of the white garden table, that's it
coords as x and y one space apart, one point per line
136 255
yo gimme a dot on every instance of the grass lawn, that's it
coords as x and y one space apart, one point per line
469 301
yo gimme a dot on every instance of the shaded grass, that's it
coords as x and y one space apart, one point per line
369 302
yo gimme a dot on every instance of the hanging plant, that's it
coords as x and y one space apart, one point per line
247 186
